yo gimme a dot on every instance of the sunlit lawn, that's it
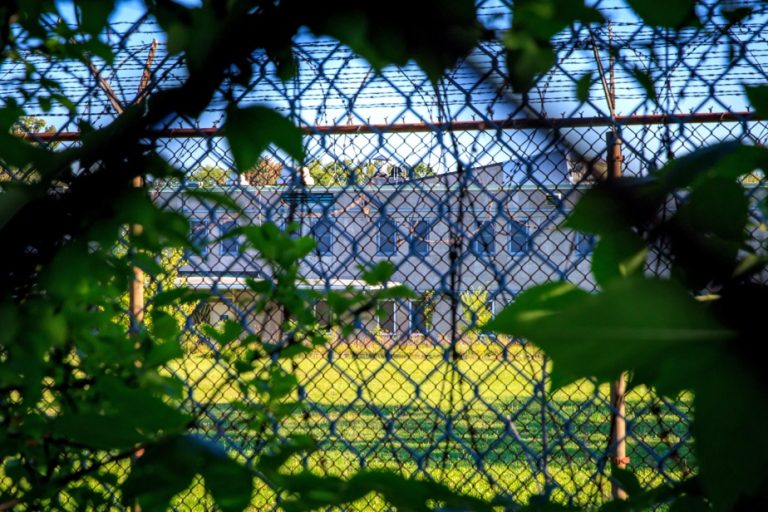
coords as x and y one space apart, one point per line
482 425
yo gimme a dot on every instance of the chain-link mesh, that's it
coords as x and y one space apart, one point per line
464 185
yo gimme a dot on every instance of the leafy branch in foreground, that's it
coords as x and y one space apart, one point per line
82 396
696 329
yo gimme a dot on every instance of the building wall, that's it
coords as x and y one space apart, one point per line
526 243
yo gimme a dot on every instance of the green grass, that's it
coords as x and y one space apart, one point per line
506 434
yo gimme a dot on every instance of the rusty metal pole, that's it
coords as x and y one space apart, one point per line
136 292
618 441
136 288
614 159
619 457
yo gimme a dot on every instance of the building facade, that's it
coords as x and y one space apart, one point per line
455 238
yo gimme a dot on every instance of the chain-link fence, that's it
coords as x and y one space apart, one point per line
464 185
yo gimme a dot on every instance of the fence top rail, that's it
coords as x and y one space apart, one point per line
484 125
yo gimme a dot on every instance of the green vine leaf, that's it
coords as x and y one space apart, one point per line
633 324
251 130
758 98
583 85
661 13
170 466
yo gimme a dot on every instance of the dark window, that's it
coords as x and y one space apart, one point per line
421 317
229 246
387 237
387 316
519 238
490 312
322 232
199 236
420 237
323 314
484 242
584 244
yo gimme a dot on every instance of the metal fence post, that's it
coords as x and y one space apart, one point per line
618 449
618 441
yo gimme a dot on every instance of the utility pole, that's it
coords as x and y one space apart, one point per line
614 160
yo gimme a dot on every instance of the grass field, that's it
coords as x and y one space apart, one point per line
483 425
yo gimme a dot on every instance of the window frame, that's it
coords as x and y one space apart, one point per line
413 308
524 223
415 240
581 238
482 226
205 240
392 318
226 245
395 239
320 249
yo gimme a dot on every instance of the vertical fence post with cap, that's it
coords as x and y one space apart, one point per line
618 436
617 448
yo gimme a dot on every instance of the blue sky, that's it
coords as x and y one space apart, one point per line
322 94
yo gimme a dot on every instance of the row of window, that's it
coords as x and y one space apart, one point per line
227 246
482 242
419 317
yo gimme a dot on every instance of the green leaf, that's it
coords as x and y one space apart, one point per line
409 494
661 13
690 504
534 305
229 482
634 324
169 467
162 353
538 503
645 80
281 383
10 322
758 99
94 14
142 409
728 406
270 463
582 87
534 24
727 160
164 326
729 219
146 263
251 130
378 273
180 295
737 14
527 59
229 332
163 471
628 481
618 255
378 31
611 207
99 431
705 241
